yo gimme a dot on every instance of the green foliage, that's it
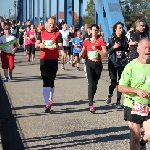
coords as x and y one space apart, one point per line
89 18
135 9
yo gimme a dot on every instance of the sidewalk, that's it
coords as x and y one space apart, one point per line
70 126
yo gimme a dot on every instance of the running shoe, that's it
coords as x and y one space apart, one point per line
78 69
119 106
47 109
108 99
10 75
142 144
5 79
32 63
62 67
73 64
92 109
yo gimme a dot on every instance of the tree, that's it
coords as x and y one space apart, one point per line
135 9
89 18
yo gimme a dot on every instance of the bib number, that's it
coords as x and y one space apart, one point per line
48 43
119 54
140 109
92 54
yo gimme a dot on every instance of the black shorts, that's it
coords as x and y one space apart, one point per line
31 49
134 117
76 54
48 68
66 48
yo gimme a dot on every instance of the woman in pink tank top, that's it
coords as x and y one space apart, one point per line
31 39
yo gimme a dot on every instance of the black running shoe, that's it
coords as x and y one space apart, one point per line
47 109
108 100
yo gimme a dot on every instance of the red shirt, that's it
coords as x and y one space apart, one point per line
98 44
49 53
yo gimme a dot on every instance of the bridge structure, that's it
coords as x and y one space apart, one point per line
107 12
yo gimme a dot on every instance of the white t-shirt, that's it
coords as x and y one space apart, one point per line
4 39
65 35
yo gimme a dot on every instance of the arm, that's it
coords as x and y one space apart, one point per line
39 42
125 84
82 52
103 52
15 48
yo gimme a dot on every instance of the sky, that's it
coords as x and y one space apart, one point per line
8 4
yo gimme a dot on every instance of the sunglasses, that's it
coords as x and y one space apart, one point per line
142 25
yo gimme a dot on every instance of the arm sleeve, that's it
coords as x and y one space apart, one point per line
39 36
60 40
126 76
110 45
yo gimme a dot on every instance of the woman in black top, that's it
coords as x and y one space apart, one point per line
117 59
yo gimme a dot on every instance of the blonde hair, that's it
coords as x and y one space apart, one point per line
138 22
51 17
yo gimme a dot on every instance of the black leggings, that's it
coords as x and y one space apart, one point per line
93 70
31 49
48 69
113 71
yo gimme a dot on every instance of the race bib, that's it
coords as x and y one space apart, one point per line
48 43
31 36
92 54
140 109
119 54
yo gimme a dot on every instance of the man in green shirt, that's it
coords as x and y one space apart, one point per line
135 84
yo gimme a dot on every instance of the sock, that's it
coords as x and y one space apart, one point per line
46 91
32 60
51 93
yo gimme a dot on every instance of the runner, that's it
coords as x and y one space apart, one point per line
49 41
7 52
31 38
77 42
26 40
135 36
95 48
72 34
64 52
135 83
116 48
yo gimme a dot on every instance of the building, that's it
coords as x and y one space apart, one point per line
76 17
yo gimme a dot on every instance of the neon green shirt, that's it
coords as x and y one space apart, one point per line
136 75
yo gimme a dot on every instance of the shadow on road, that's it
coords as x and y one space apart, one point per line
66 140
10 132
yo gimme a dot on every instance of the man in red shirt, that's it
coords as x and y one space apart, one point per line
50 42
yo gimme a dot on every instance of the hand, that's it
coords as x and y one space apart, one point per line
135 43
13 51
42 45
116 45
142 93
55 46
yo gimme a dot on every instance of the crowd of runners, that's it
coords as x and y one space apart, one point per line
128 63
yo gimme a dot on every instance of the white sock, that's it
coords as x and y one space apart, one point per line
46 91
51 93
